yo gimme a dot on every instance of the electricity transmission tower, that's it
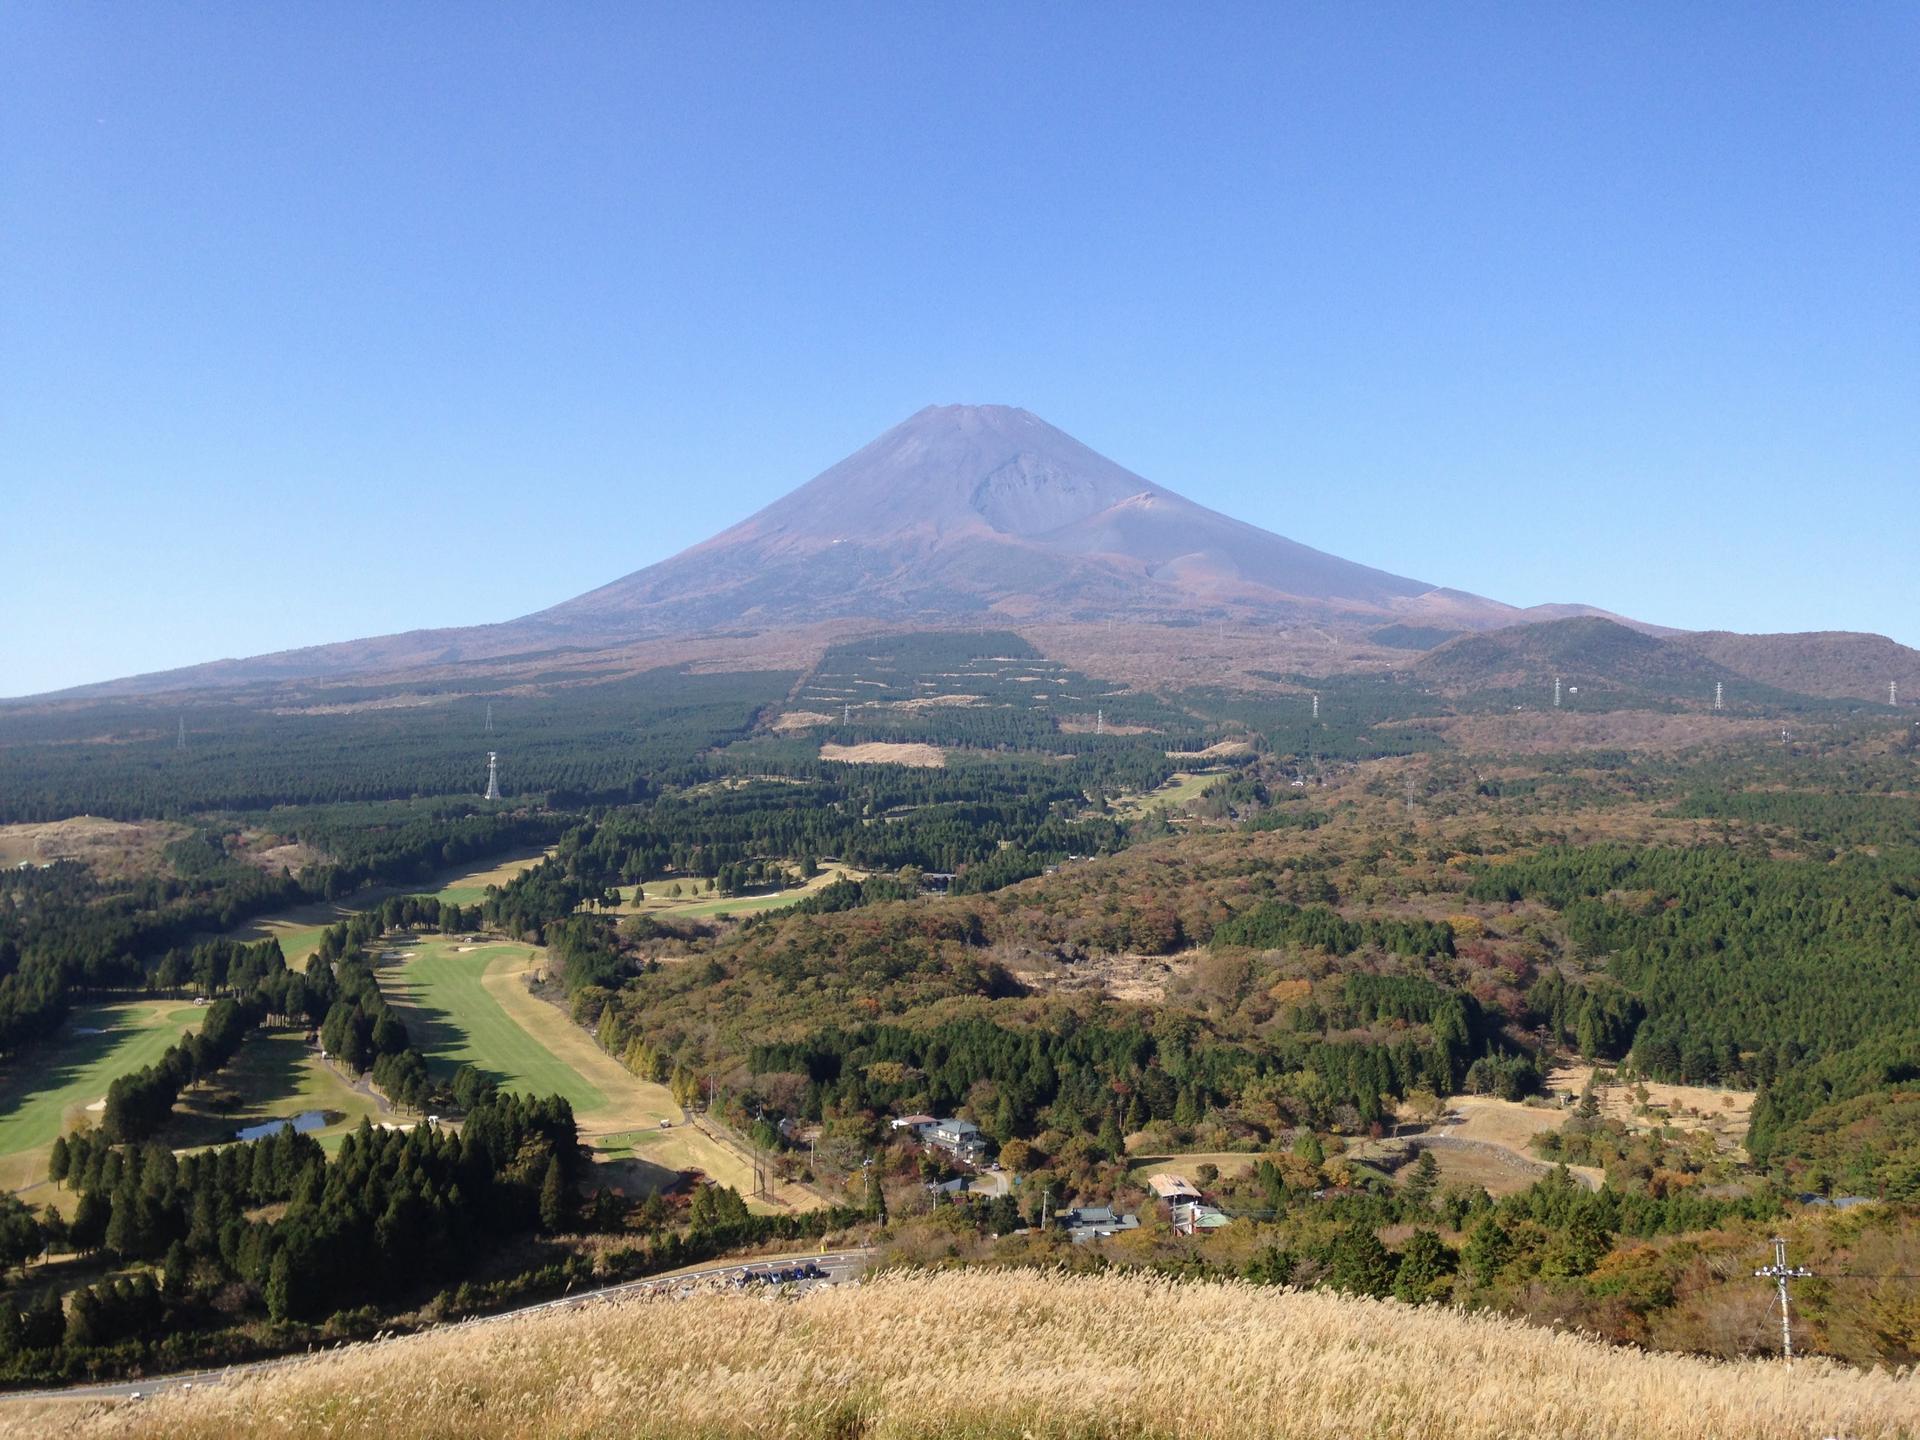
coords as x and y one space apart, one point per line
489 717
1316 707
181 743
1556 692
1780 1273
1718 686
493 775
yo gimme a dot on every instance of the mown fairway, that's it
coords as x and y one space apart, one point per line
470 887
1177 792
299 930
457 1019
699 905
48 1089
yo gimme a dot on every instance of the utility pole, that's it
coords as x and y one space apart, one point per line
1780 1273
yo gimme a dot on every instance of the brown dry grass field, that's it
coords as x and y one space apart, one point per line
112 849
978 1354
879 752
794 720
1723 1114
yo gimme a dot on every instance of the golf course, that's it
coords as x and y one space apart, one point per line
468 1003
72 1071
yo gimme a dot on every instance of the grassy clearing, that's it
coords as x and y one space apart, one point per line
470 887
47 1091
980 1354
1227 1162
1176 792
915 755
112 849
1710 1110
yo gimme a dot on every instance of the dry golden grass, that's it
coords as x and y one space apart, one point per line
112 849
880 752
800 720
986 1354
1724 1114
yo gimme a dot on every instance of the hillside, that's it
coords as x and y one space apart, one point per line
1597 660
1838 664
1015 1353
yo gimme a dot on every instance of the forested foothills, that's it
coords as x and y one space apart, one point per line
1366 981
575 742
1719 947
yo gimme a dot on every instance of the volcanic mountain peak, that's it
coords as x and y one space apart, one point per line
966 508
950 469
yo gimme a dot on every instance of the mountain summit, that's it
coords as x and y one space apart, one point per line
965 509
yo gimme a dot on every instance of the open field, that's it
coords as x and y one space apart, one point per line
457 1018
1176 791
112 849
1504 1128
1040 1355
469 887
1228 1162
47 1091
880 752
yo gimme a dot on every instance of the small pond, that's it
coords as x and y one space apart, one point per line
303 1122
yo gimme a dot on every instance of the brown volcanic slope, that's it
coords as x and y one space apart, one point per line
968 510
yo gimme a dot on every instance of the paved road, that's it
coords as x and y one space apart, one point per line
839 1265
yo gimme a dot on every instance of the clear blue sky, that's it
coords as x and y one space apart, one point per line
332 320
